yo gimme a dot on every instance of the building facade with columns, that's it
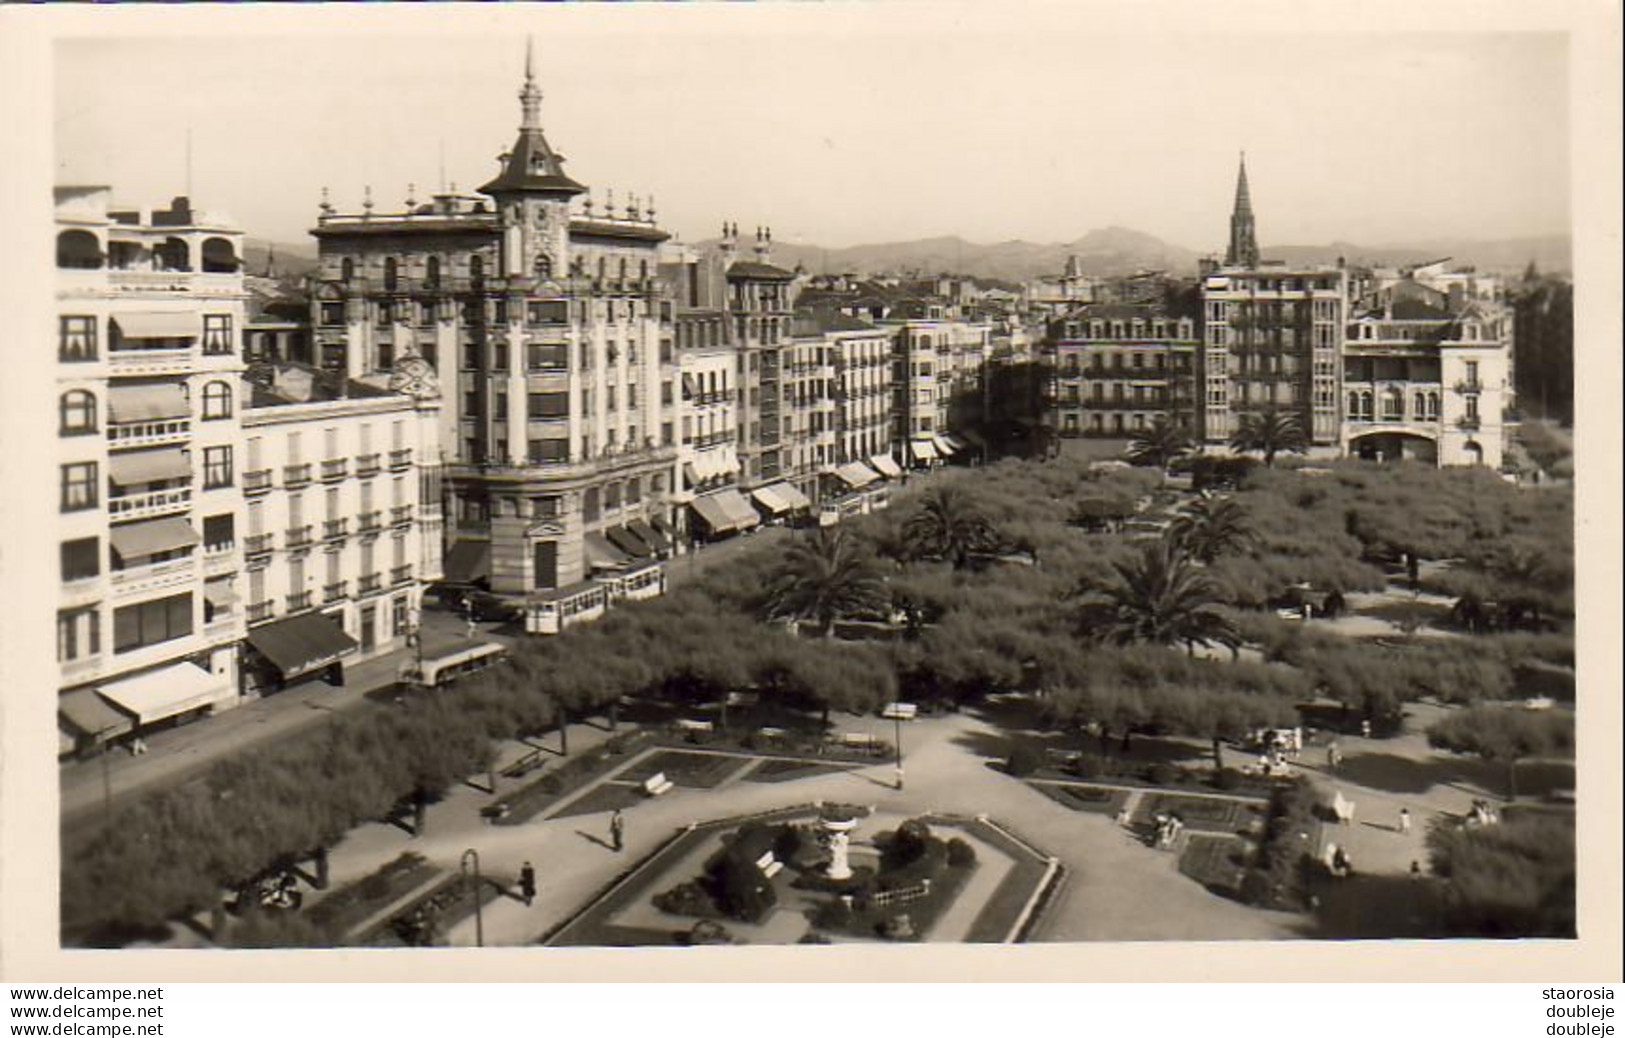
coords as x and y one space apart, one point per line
542 320
149 396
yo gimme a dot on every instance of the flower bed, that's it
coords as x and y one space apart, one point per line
611 796
1201 814
1160 775
348 907
427 920
780 770
693 770
1216 862
1100 800
532 799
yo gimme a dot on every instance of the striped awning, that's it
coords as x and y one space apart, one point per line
301 644
886 466
791 493
601 554
147 403
769 498
157 325
955 442
943 446
134 540
744 516
856 474
923 450
628 542
646 533
713 514
155 466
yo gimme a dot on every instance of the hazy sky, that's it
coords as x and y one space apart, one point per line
842 124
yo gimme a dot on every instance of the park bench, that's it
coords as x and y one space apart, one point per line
657 784
769 864
900 711
693 730
769 732
530 762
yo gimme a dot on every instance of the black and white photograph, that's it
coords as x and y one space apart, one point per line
806 475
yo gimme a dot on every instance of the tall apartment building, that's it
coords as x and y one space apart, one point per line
857 399
710 406
938 363
544 324
1427 368
150 309
343 526
1117 369
773 443
1271 338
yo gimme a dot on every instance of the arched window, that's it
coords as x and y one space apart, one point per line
1433 405
347 269
432 276
1419 405
219 257
544 266
390 274
78 412
78 250
173 255
1365 405
216 401
1354 406
1393 404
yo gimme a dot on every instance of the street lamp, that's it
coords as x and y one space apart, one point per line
472 857
897 722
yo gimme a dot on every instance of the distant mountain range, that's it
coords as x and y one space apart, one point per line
1106 251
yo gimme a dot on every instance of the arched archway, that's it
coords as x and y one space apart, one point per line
1474 451
219 256
78 250
173 254
1395 445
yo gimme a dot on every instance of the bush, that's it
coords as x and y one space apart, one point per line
1089 766
1227 779
1162 774
1024 760
685 899
960 854
833 914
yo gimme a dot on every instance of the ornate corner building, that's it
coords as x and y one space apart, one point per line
542 321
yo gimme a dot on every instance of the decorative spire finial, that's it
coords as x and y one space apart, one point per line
411 196
530 96
366 199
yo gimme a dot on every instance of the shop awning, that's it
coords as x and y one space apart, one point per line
646 533
468 562
148 325
691 475
134 540
167 691
923 450
690 387
601 554
712 513
798 500
955 442
856 474
744 515
883 464
943 446
301 644
149 466
769 498
628 542
147 403
92 716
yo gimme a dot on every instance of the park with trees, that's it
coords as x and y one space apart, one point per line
1102 596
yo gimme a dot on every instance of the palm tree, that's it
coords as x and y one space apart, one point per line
824 578
1162 598
1209 529
1159 445
948 526
1270 432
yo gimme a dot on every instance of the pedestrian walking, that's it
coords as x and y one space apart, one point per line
1333 757
527 883
1365 729
617 831
473 627
1416 869
1404 820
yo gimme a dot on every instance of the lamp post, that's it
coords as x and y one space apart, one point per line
472 857
897 723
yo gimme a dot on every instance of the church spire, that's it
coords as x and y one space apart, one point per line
1243 251
532 165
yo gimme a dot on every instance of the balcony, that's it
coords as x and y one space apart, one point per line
298 537
400 515
125 363
1471 422
1471 385
400 459
371 583
148 505
257 482
258 611
295 476
149 434
335 591
141 579
400 575
369 522
259 543
299 600
366 465
333 529
335 469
